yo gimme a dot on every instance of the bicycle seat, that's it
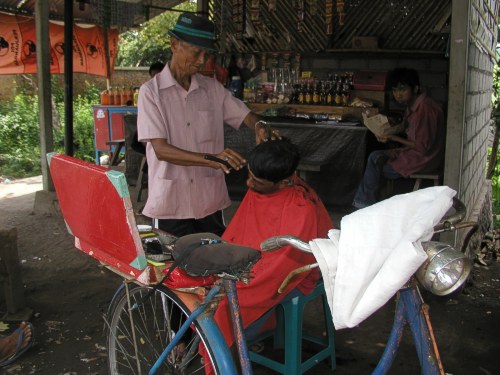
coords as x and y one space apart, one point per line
204 254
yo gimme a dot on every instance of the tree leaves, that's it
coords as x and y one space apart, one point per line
150 43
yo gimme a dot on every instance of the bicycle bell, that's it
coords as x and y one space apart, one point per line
445 270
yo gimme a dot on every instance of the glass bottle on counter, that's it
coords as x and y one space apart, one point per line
274 66
136 95
105 97
346 94
338 94
301 93
323 93
124 96
330 94
111 96
316 94
263 69
308 94
117 95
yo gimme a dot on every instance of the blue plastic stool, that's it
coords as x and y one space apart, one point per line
288 335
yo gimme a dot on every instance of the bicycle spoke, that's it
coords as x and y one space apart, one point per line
154 322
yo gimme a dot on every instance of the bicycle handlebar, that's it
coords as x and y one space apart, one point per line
446 224
277 242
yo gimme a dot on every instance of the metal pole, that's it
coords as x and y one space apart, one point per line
68 77
44 90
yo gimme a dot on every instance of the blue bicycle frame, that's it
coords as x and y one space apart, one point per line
411 309
223 358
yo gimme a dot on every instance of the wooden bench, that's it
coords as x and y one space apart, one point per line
388 190
419 178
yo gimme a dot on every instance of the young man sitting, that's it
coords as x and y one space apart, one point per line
277 203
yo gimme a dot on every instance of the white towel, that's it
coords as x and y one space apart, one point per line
377 251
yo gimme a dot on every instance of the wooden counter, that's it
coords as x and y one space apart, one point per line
334 110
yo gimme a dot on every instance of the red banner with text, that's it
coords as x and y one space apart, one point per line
18 47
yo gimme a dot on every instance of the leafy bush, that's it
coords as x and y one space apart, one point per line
495 183
19 137
20 131
83 125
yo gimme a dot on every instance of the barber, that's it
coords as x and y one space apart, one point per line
181 116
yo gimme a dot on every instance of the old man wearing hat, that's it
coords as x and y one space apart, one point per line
181 116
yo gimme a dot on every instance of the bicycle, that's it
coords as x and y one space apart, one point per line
155 316
152 328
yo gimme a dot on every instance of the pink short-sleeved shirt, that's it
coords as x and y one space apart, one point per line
194 121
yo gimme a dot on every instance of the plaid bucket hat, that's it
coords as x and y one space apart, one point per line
195 30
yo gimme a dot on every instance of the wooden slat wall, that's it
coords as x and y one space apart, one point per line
421 25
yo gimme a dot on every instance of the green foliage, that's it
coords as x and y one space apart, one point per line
19 137
19 124
151 42
20 131
495 183
83 125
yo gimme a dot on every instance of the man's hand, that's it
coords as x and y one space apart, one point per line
263 132
226 160
383 138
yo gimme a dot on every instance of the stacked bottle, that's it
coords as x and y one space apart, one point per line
336 90
119 96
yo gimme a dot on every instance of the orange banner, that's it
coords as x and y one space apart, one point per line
18 47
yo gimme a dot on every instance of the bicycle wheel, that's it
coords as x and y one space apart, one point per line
137 338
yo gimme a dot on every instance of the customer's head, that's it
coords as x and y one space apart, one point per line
404 83
156 68
271 165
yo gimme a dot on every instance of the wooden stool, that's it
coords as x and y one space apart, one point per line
288 335
420 177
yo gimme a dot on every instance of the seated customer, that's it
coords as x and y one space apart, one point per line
277 203
422 149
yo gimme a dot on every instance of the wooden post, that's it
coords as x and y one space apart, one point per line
44 89
10 273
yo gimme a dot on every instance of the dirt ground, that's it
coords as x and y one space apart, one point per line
68 293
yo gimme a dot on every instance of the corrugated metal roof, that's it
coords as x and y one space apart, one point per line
411 25
122 14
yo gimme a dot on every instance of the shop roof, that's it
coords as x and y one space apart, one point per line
398 25
122 14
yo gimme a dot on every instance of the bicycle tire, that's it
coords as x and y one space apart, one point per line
155 323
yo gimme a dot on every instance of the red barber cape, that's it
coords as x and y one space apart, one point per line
294 210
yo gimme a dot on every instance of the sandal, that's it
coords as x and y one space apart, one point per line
20 349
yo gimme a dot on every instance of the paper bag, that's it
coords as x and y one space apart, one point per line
380 126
